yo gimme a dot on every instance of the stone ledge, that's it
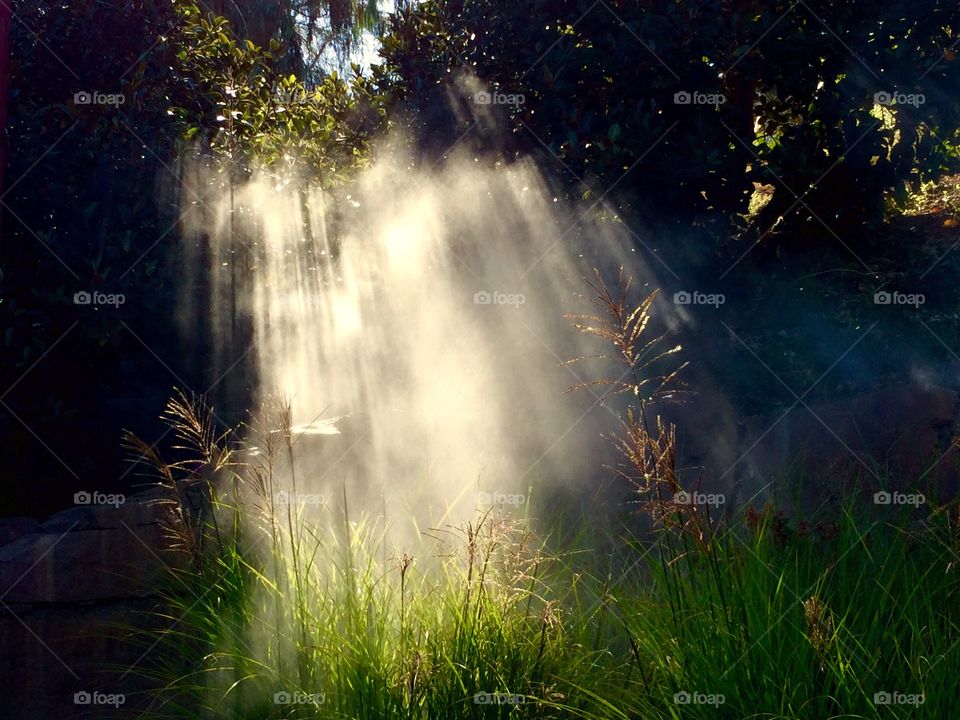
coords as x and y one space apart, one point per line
91 552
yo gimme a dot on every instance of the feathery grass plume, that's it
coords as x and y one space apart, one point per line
650 455
197 479
624 328
178 527
820 630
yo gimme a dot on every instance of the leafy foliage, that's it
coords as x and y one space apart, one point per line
309 33
230 96
799 82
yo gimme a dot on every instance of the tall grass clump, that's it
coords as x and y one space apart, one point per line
288 605
853 613
290 608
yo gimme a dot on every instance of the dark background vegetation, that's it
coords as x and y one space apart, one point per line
91 197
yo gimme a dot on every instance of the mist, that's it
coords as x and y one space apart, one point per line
416 326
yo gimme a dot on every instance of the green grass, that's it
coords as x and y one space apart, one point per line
781 623
797 627
749 616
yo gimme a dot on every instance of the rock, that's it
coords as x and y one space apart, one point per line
85 565
52 653
75 590
114 511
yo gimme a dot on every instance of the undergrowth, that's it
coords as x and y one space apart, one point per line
285 610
